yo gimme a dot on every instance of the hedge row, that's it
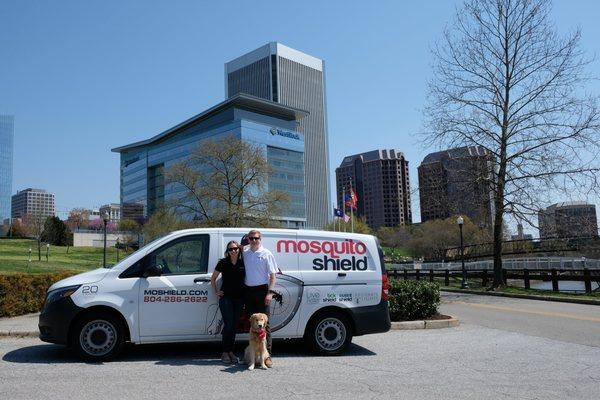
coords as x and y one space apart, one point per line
25 293
413 300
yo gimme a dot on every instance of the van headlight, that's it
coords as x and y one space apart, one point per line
60 293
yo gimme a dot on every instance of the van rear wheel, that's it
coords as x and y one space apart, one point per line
329 333
98 336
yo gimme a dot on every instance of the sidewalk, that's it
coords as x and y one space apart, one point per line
21 326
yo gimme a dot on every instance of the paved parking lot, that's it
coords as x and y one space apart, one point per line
468 362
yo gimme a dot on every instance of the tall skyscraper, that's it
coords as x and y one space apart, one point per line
281 74
380 180
457 181
6 164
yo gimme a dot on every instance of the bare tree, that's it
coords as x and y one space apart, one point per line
505 80
34 227
225 183
78 218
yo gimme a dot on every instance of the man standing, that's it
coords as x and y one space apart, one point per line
261 270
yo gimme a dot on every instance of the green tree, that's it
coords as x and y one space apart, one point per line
430 240
360 226
162 222
55 232
226 184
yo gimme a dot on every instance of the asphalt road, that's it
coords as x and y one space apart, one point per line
572 323
494 353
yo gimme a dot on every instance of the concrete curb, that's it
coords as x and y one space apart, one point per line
427 324
21 334
403 325
525 296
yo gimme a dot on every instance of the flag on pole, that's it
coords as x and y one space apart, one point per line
351 199
338 213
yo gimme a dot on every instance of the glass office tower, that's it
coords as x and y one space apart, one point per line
268 126
292 78
6 164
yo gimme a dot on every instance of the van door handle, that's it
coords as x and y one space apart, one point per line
342 274
199 280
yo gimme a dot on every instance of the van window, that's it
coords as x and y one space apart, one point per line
187 255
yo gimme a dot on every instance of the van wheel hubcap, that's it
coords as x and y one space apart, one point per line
98 337
330 334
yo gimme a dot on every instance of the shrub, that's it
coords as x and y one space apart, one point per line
411 300
24 293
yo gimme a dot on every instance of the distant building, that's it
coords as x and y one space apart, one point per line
291 78
113 210
380 180
457 181
521 235
133 211
6 164
569 219
33 202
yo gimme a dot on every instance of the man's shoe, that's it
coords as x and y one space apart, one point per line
269 362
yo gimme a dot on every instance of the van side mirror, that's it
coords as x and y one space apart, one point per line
152 270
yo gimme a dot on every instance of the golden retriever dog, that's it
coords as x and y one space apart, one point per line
256 352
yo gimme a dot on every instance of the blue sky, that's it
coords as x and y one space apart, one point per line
82 77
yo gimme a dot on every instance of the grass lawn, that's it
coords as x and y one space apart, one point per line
14 256
396 252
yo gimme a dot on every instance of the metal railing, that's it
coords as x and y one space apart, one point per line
538 263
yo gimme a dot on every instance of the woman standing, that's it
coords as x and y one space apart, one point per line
231 295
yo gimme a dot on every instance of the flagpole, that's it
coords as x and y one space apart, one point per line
351 208
334 218
344 203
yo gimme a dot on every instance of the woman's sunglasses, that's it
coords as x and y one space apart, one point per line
233 249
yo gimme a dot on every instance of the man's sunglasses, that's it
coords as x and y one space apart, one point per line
253 237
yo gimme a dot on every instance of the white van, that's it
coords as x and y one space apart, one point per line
332 286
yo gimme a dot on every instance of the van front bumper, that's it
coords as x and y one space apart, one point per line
55 320
371 319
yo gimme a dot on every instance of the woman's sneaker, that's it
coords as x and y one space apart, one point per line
233 358
225 358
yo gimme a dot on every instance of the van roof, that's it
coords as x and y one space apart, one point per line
310 232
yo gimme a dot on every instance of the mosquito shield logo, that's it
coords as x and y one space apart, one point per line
344 256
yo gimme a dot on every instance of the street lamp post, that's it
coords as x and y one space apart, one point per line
463 285
105 218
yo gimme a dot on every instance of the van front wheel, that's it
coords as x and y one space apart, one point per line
329 333
98 336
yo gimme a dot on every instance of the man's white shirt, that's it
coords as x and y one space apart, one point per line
259 265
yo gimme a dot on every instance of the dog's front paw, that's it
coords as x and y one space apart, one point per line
250 367
263 366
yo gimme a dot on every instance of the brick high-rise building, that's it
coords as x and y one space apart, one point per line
457 181
380 179
569 219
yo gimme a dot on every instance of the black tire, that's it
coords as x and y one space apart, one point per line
98 336
328 333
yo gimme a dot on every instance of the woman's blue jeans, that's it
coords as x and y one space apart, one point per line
231 308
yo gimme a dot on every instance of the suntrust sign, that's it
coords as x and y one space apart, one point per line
287 134
337 255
